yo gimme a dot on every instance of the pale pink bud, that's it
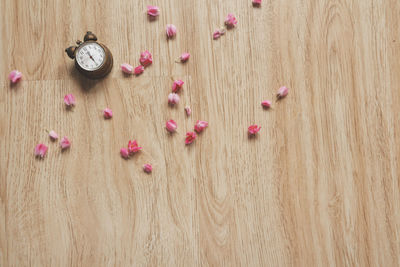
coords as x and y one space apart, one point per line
107 113
65 143
171 30
146 58
133 147
256 2
173 99
138 70
15 76
171 126
153 11
282 92
69 100
126 68
124 153
230 21
190 137
200 126
41 150
147 168
177 85
218 33
266 103
185 57
53 135
188 110
253 129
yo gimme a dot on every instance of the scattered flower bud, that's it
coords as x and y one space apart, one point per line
133 147
266 103
124 153
200 126
171 30
15 76
65 143
53 135
147 168
153 11
190 137
188 110
69 100
138 70
107 113
146 58
171 126
253 129
282 92
173 99
218 33
177 85
126 68
230 21
41 150
256 2
184 57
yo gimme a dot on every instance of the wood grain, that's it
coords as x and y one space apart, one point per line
319 186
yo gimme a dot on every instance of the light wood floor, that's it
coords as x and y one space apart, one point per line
319 186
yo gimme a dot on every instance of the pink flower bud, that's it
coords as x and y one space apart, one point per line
41 150
65 143
256 2
53 135
200 126
171 126
138 70
133 147
218 33
146 58
282 92
107 113
190 137
124 153
253 129
188 110
69 100
171 30
147 168
177 85
126 68
266 103
173 99
230 21
185 57
153 11
15 76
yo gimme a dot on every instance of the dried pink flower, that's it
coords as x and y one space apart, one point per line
69 100
146 58
15 76
266 103
53 135
218 33
147 168
171 30
230 21
138 70
200 126
177 85
184 57
171 126
256 2
107 113
126 68
124 153
153 11
65 143
253 129
41 150
190 137
133 147
188 110
173 99
282 92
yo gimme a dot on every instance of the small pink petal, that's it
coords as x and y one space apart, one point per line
253 129
41 150
65 143
190 137
171 126
53 135
138 70
171 30
185 57
124 153
107 113
153 11
256 2
218 33
177 85
266 103
282 92
200 126
69 100
147 168
133 147
173 99
230 21
188 110
15 76
146 58
126 68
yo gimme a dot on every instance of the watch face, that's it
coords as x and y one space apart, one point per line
90 56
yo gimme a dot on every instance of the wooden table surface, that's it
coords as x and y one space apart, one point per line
319 186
